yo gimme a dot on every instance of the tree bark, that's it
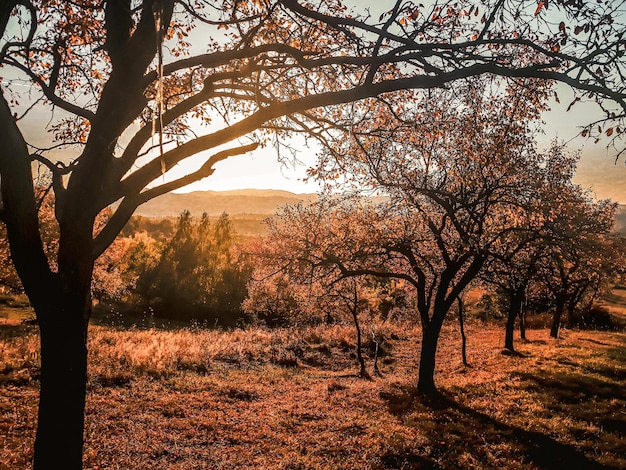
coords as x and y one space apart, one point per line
430 338
522 323
462 328
359 341
63 328
59 440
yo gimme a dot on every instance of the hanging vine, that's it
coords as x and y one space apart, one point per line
157 119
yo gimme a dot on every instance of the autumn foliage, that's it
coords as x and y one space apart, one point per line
132 89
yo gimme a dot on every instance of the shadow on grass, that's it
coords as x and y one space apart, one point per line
454 429
9 330
588 399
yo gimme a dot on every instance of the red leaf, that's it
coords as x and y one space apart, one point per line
539 7
609 132
578 29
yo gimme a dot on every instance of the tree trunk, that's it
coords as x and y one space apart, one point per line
359 341
63 328
522 317
462 328
556 319
59 440
515 309
430 338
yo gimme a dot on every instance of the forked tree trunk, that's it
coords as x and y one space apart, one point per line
59 440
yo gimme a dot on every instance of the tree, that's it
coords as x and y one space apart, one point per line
197 274
292 281
578 227
512 276
124 108
512 267
460 169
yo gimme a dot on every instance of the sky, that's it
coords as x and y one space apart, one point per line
261 169
597 168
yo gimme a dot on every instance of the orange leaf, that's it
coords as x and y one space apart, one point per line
539 7
609 131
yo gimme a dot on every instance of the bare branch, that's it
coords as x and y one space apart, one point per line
131 201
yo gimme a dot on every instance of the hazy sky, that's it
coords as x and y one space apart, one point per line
261 169
597 169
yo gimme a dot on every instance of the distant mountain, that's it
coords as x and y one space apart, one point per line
214 203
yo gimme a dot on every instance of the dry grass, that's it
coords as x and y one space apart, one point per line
289 399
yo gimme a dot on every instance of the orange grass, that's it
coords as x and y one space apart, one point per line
289 399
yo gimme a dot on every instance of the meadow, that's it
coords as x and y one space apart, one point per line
183 398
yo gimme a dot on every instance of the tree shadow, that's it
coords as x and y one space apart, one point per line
454 429
586 398
10 330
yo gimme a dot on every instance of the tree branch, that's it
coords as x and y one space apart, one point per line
130 203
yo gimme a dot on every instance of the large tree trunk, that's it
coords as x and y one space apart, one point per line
59 440
63 327
428 354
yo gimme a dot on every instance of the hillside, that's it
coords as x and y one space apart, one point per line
276 399
248 207
214 203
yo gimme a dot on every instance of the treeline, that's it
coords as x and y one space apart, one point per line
349 258
181 270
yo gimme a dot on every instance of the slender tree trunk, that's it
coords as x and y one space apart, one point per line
556 319
59 440
522 322
359 341
522 316
462 328
515 309
571 317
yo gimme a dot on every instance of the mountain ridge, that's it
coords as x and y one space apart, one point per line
252 202
214 203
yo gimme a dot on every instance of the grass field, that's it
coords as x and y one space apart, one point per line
289 399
